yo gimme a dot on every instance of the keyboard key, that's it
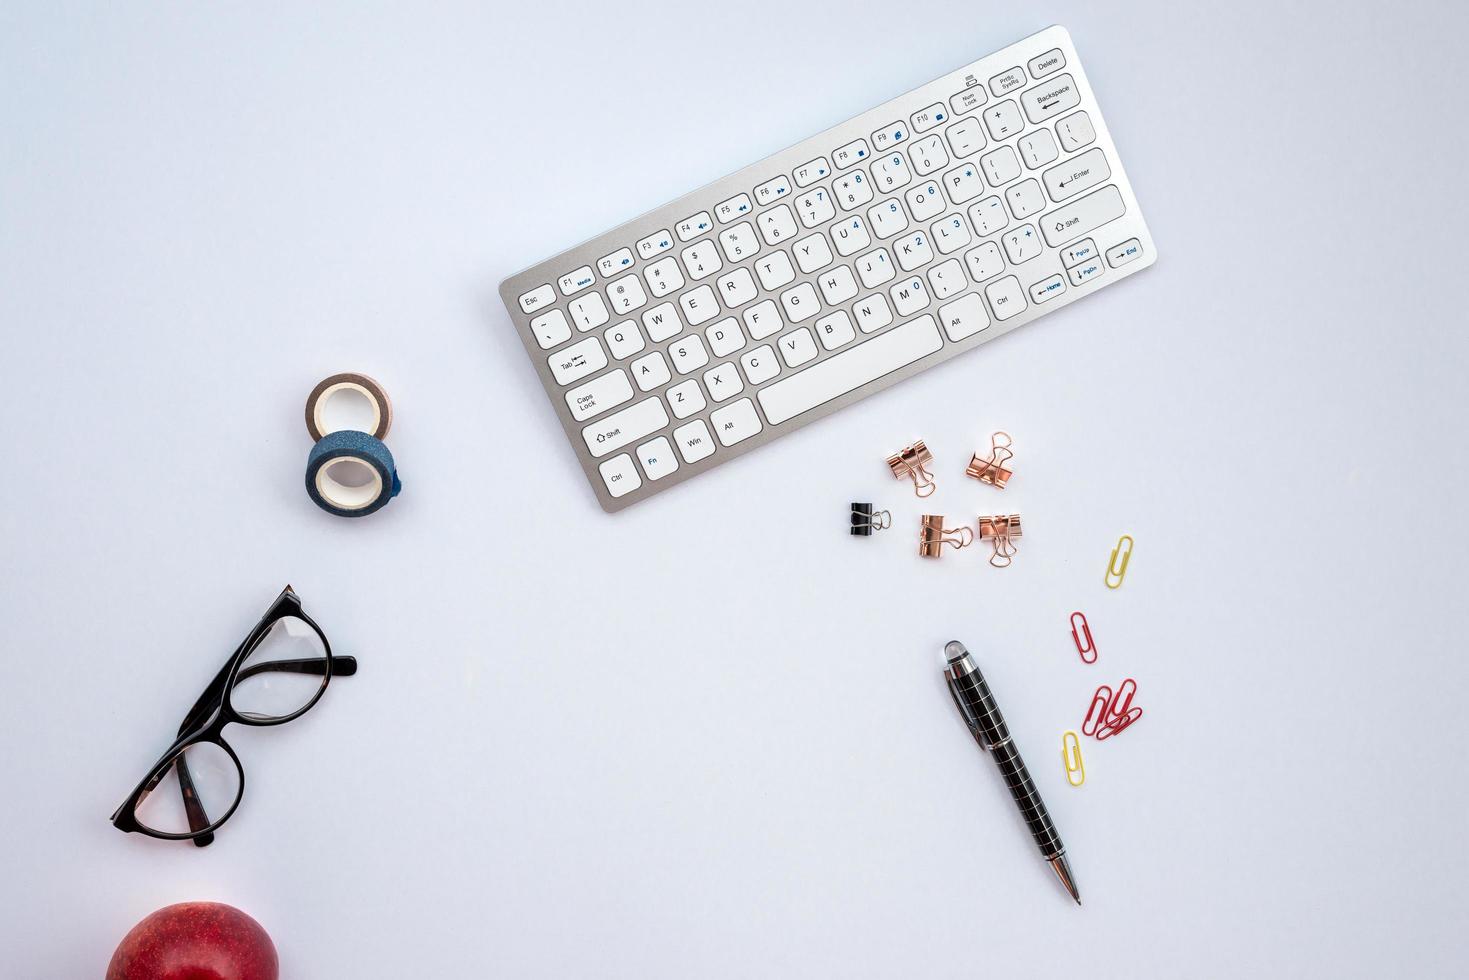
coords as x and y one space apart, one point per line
1025 198
1080 173
663 277
550 329
968 100
659 241
1001 166
699 305
1122 254
797 347
925 201
1022 244
760 364
1085 272
736 423
835 329
611 265
657 458
621 475
1045 64
775 270
988 216
772 191
735 207
574 282
588 311
662 322
650 371
685 398
888 219
963 183
925 119
723 381
688 354
985 262
849 370
1075 131
800 303
621 428
889 136
537 298
694 225
965 137
577 361
694 441
701 260
1038 148
964 317
813 253
950 234
624 340
852 190
909 296
875 268
725 337
599 395
1003 120
739 242
873 313
1050 99
737 288
762 319
911 252
947 279
1007 81
1083 215
809 173
851 154
777 224
1047 288
928 155
1078 252
815 208
890 172
850 236
626 294
1006 298
838 285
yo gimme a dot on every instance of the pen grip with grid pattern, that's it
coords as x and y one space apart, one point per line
975 693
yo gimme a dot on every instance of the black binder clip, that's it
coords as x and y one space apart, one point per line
865 520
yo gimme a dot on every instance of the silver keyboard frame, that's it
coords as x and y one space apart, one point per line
1130 225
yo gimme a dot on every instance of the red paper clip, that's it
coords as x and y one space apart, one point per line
1110 712
1116 726
1096 714
1090 646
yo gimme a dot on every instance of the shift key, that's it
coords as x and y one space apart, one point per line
620 428
1082 216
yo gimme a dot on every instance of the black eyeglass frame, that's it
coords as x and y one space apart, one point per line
207 719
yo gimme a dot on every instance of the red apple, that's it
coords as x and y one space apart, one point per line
195 941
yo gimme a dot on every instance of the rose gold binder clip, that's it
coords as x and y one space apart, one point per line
993 470
1081 634
911 463
1111 711
932 536
998 530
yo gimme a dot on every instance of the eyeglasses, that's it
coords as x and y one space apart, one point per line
276 675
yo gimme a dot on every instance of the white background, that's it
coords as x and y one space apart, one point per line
708 737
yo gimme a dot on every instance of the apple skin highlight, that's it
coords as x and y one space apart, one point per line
195 941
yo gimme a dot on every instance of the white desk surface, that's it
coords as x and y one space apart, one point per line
708 737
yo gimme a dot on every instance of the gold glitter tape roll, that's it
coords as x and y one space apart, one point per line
382 409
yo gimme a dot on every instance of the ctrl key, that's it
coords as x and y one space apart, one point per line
620 474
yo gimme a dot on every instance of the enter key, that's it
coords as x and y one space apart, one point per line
1078 174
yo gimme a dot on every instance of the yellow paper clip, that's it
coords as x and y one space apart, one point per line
1115 571
1071 756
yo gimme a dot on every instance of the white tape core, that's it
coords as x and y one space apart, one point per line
348 483
346 405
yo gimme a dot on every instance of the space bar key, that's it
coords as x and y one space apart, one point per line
850 370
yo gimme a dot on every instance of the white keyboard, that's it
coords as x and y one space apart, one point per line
831 270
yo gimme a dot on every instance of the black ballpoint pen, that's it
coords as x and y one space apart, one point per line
977 706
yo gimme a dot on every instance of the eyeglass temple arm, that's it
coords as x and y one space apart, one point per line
341 667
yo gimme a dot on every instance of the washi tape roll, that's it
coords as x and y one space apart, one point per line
321 420
350 474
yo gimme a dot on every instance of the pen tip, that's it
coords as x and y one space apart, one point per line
1062 867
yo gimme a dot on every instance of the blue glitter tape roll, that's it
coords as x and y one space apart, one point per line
344 500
